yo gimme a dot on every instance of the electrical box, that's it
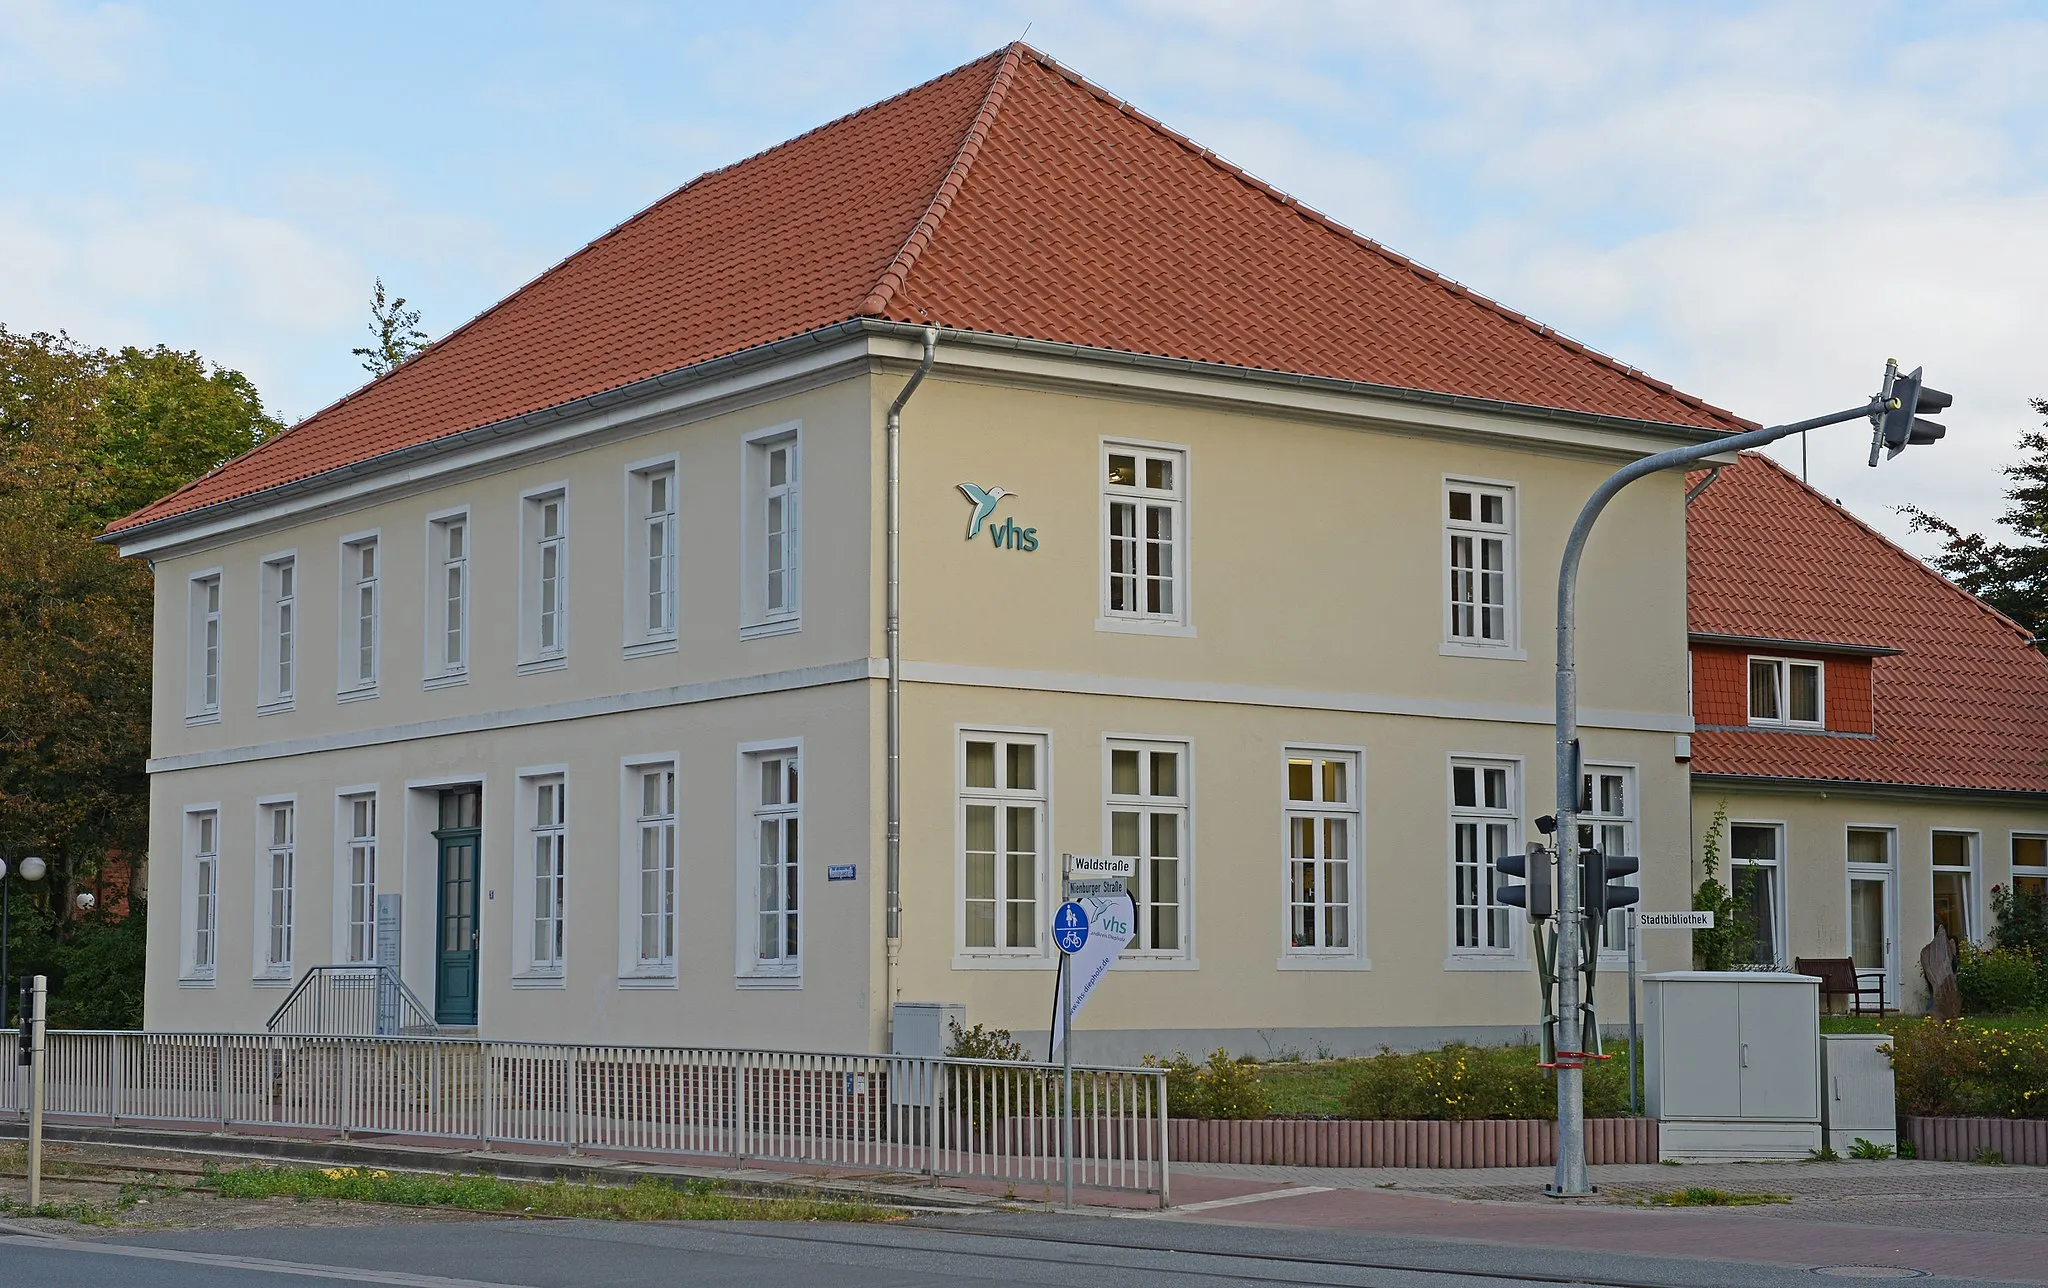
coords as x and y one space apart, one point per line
923 1028
1732 1064
1857 1095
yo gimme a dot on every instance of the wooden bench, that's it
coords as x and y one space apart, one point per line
1840 978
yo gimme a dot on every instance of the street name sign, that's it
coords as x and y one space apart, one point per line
1101 865
1675 920
1080 886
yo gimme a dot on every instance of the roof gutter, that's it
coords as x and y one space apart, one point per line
1867 787
1781 643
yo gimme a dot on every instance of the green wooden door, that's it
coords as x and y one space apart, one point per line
455 936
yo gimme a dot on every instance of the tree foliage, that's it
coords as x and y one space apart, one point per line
396 332
2012 576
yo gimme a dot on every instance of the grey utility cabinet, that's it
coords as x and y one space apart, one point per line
1732 1064
1857 1095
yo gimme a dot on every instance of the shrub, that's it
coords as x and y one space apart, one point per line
1727 944
2020 923
1222 1088
979 1043
1459 1082
1996 982
1951 1069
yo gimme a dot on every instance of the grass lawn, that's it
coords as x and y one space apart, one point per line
2017 1020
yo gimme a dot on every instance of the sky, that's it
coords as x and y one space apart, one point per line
1759 203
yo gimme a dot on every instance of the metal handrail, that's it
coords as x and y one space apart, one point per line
405 1012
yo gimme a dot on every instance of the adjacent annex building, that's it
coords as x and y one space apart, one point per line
1873 739
1227 543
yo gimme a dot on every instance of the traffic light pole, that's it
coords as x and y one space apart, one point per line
1571 1105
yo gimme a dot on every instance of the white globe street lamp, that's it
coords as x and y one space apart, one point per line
32 869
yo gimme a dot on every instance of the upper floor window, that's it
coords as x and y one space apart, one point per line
1144 566
1784 692
1607 822
447 599
1148 822
359 814
772 553
1002 830
774 854
202 677
651 555
361 610
1323 795
276 682
544 634
1479 551
1485 824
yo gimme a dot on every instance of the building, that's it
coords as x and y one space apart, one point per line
1876 739
1227 542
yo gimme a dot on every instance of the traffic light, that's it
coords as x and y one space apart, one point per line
1899 419
1533 869
1600 888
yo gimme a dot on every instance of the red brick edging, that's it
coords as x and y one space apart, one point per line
2017 1140
1500 1142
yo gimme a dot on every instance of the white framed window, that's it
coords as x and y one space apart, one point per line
1149 818
1145 540
1480 613
203 648
650 570
648 870
1607 822
544 579
545 874
359 876
772 544
1324 811
447 644
2030 864
277 822
202 898
1002 829
1784 691
1756 877
1486 823
771 863
277 674
1955 885
361 613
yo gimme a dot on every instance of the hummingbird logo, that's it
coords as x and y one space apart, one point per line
984 500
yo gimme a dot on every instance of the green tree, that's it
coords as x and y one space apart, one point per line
396 330
2012 576
1729 941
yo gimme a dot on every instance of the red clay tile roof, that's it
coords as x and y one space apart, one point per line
1008 196
1965 705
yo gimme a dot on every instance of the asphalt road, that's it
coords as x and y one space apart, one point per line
1088 1252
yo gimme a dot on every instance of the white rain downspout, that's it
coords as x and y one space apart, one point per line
893 914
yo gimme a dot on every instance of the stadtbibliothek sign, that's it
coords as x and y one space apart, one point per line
1675 920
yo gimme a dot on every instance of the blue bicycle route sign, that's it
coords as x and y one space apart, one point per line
1070 928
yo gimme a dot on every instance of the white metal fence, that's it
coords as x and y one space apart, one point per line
967 1118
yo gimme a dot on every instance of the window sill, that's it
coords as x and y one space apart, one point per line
793 980
650 977
1322 961
540 979
651 648
553 662
1505 964
1491 652
447 681
1789 726
203 718
1004 961
272 980
195 981
362 694
764 630
1145 626
1127 961
276 708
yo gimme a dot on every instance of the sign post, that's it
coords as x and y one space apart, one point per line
1070 932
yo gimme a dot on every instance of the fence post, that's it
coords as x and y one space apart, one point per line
220 1079
739 1106
934 1075
573 1130
345 1113
1159 1095
114 1078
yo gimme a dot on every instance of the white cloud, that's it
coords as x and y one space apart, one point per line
48 43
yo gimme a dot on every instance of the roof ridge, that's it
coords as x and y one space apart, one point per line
1314 216
895 276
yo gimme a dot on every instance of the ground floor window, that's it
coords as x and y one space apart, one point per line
1608 824
1756 877
1485 824
2030 865
547 849
1955 871
1148 822
1002 830
1322 808
360 812
770 783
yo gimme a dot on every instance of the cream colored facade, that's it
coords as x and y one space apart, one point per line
1311 573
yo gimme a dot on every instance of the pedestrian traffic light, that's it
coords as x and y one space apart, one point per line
1597 897
28 1027
1533 871
1899 421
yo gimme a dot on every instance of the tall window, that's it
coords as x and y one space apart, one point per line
1485 824
204 829
1144 502
1323 795
1608 824
1148 821
203 687
1784 692
2030 865
360 610
1002 826
447 599
281 861
361 815
778 860
280 632
657 851
1755 870
546 629
1479 539
546 839
651 556
1955 870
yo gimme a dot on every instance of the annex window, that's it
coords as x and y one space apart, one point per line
1144 501
1323 796
361 609
652 789
1002 831
202 832
651 555
277 679
544 597
773 849
1607 822
1955 884
1784 692
772 553
2030 865
203 648
1485 824
1479 551
359 816
1148 822
447 658
280 849
547 801
1756 873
